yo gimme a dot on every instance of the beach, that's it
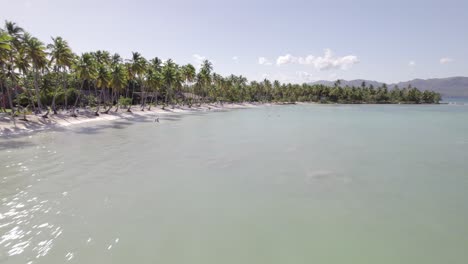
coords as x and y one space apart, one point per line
63 119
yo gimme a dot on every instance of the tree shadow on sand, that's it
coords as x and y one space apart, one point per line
14 144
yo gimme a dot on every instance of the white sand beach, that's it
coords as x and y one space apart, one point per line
62 119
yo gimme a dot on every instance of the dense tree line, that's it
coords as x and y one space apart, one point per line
46 78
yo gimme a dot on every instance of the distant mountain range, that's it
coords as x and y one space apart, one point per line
451 87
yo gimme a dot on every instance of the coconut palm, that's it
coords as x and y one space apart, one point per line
14 35
170 77
61 58
116 59
156 64
5 44
118 81
23 60
102 57
5 67
102 82
35 50
138 68
154 82
86 71
204 78
188 73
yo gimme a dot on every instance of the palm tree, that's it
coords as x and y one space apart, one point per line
23 60
5 48
62 57
153 81
102 57
118 81
154 78
116 59
86 71
170 78
156 64
188 75
10 43
5 42
204 77
136 69
102 82
35 50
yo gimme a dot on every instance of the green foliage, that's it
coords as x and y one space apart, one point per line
22 99
89 100
53 76
124 101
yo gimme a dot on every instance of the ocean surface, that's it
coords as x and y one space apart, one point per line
276 184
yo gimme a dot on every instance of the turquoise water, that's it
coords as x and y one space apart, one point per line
279 184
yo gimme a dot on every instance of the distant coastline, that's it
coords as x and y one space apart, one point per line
448 87
49 82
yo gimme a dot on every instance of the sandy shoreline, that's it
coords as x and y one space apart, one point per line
62 120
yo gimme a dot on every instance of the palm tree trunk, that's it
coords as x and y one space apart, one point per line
77 99
46 115
36 87
142 98
10 101
111 101
24 114
65 90
133 90
98 101
131 101
54 108
117 95
156 103
30 97
151 101
165 99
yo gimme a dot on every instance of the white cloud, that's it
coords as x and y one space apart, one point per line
445 60
326 62
286 59
263 61
235 59
411 63
198 60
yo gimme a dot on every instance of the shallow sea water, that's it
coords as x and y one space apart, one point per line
278 184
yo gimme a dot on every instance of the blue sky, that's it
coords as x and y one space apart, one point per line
296 41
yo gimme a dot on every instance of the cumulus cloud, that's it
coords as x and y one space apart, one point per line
263 61
411 63
326 62
286 59
445 60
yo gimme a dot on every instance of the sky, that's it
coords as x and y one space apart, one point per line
291 41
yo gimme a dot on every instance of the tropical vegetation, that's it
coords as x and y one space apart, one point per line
43 79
